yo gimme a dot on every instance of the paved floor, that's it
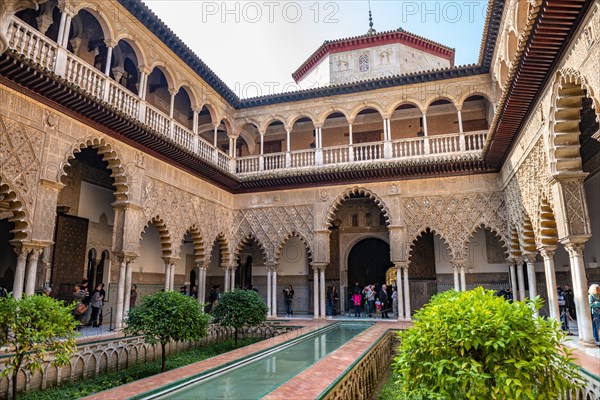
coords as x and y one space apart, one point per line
314 380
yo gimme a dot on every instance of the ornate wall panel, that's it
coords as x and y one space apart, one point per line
456 217
271 226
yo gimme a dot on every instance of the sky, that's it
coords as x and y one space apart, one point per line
254 46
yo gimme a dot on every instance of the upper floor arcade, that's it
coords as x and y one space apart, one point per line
117 64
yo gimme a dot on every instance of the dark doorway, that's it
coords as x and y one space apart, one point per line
193 279
8 258
244 277
368 262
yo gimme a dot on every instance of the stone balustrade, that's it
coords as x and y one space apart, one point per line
118 353
37 48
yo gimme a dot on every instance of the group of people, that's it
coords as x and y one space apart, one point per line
88 308
376 301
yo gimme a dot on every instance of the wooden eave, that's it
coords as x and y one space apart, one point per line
549 36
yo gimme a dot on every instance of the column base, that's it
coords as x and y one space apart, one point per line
586 345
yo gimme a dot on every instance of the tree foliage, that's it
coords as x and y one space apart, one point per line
474 345
165 317
35 330
240 308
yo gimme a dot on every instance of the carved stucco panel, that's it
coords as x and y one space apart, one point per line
272 225
456 217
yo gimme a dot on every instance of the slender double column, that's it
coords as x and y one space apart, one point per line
272 288
28 255
460 277
169 272
201 281
547 253
520 278
580 291
319 289
400 266
513 277
407 310
123 291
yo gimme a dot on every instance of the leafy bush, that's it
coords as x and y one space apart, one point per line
167 316
474 345
35 330
240 308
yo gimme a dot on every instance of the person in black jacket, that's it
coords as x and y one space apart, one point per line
385 301
288 296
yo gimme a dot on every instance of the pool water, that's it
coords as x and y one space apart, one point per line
258 376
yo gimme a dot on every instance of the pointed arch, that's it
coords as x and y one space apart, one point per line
250 238
548 231
224 248
109 155
198 242
569 89
436 232
501 236
163 232
20 216
285 239
356 190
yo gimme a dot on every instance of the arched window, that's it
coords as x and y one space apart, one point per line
363 63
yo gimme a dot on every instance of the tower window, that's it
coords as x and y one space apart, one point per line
354 219
363 63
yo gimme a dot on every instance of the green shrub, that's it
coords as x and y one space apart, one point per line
240 308
165 317
35 330
474 345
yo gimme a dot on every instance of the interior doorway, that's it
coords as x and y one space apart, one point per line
368 262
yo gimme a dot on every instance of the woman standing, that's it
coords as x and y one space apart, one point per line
595 309
96 303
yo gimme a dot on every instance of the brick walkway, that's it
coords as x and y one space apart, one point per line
311 382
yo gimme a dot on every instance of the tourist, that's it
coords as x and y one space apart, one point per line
357 300
570 299
46 290
81 312
563 310
288 297
132 296
385 303
370 300
332 298
194 292
377 308
595 310
96 303
183 290
395 301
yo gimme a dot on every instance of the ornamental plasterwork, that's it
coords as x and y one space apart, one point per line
456 218
20 160
271 226
527 188
180 211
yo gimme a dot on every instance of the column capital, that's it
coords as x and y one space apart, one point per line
319 265
271 265
529 257
547 252
459 263
145 69
575 248
401 264
111 43
127 257
567 176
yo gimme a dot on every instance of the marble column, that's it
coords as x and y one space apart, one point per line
521 279
547 253
580 290
167 274
531 278
201 281
456 269
32 265
322 291
121 290
400 289
463 277
513 279
407 310
315 291
19 279
127 301
269 288
274 292
226 279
